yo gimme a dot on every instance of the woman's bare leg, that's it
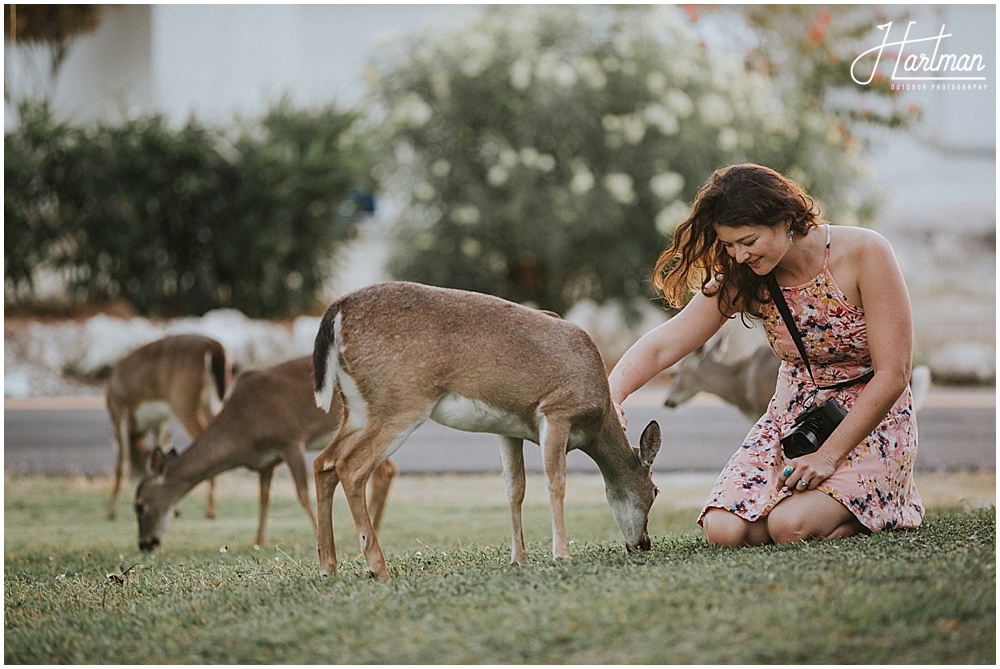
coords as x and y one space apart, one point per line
811 515
725 528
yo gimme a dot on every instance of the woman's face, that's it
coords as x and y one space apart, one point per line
759 247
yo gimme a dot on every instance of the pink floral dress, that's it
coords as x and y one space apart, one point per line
875 481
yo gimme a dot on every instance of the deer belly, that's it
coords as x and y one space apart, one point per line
461 413
151 415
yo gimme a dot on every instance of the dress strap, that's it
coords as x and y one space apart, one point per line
826 254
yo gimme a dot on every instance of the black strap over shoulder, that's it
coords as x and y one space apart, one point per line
786 315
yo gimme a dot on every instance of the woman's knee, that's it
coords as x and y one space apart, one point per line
724 528
812 515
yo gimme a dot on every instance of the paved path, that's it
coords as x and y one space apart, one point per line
957 429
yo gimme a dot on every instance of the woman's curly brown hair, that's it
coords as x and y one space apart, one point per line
734 196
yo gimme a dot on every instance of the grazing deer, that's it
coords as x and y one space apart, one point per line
399 353
740 367
270 417
184 376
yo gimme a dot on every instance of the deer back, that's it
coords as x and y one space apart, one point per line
406 344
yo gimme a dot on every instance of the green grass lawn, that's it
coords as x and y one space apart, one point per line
206 596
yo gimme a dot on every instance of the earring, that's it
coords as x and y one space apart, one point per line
790 237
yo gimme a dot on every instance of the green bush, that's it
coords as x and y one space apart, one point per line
546 153
182 221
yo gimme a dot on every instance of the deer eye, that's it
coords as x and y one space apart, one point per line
140 508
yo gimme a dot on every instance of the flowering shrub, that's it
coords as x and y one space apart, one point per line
545 154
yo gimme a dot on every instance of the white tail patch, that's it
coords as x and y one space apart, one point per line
209 394
324 396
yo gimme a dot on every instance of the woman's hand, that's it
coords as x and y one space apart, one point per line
807 472
621 414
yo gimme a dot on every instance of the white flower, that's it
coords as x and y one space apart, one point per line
404 153
715 109
508 158
465 214
440 168
471 247
582 181
412 110
546 66
667 185
529 156
619 185
634 128
656 82
729 139
441 85
679 102
611 122
424 191
669 217
664 120
565 75
497 175
592 74
520 74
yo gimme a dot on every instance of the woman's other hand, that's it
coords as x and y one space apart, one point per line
621 415
807 472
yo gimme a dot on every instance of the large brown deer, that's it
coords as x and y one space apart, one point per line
184 376
400 353
270 417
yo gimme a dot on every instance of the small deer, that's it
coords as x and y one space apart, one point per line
270 417
398 354
184 376
738 365
747 382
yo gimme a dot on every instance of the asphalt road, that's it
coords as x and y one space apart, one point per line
955 433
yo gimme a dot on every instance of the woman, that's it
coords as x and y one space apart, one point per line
847 295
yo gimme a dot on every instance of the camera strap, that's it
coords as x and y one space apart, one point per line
786 315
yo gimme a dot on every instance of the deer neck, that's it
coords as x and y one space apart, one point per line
207 456
613 454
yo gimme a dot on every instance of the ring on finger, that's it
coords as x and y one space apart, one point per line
804 482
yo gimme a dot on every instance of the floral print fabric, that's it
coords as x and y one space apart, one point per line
875 481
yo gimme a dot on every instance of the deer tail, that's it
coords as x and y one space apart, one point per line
217 363
325 361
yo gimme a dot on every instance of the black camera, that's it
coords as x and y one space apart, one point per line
811 428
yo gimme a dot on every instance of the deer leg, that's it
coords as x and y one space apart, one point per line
512 461
265 498
553 435
326 479
122 437
382 479
297 465
355 464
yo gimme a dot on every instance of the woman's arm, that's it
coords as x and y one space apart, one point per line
663 346
889 324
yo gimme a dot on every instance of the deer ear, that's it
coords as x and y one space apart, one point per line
157 462
649 444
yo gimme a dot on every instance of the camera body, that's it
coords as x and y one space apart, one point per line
812 427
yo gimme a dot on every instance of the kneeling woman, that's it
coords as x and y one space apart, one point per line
849 303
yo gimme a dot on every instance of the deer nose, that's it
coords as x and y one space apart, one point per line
149 544
642 545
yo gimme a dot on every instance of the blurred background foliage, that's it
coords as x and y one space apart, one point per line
182 221
539 153
546 153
